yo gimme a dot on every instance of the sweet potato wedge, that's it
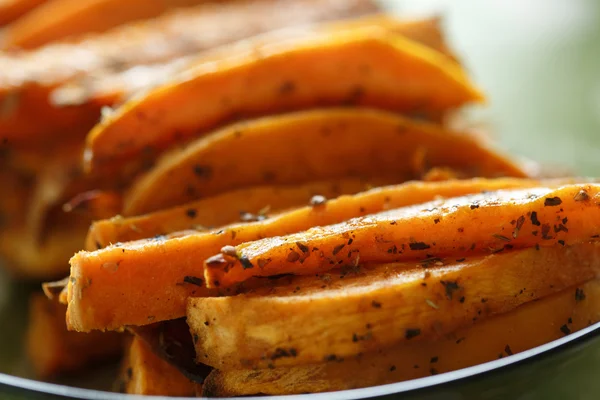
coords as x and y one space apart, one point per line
68 19
483 223
66 91
367 66
27 257
53 350
103 85
95 204
172 342
144 373
136 280
357 309
227 208
10 10
309 146
527 326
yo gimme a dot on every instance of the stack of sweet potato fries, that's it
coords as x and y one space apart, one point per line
275 197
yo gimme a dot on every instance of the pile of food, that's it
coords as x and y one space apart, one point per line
280 197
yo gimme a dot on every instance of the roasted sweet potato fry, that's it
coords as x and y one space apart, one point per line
53 350
475 224
10 10
309 146
27 257
172 341
101 86
254 203
133 281
65 91
528 326
95 204
144 373
298 321
367 66
68 19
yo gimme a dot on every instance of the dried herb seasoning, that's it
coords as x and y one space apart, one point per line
534 218
412 333
451 287
418 246
193 280
552 201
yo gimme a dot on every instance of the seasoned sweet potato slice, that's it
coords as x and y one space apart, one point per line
357 309
475 224
10 10
308 146
53 350
28 257
144 373
60 19
250 204
136 283
367 66
101 86
66 91
530 325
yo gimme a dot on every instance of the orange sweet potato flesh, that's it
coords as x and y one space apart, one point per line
62 19
66 91
53 350
527 326
358 309
306 146
125 284
10 10
144 373
367 66
220 210
475 224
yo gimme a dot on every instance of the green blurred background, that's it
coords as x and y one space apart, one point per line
539 63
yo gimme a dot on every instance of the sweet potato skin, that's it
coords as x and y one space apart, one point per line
219 210
309 146
363 66
119 299
312 319
144 373
53 350
527 326
476 224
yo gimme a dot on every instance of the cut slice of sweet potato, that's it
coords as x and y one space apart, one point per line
357 309
309 146
28 258
139 282
144 373
53 350
475 224
367 66
246 205
530 325
68 19
66 91
11 10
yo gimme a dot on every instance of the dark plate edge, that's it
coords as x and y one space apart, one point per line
534 354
